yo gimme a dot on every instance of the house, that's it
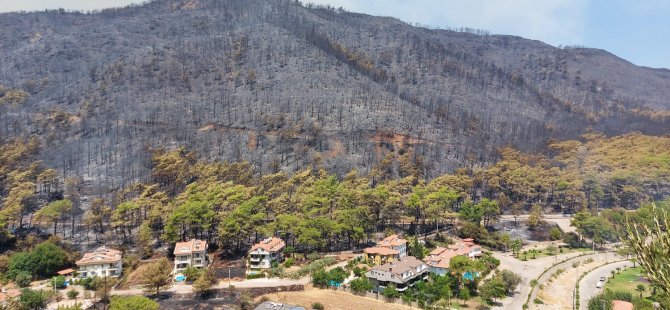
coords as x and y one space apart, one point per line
622 305
263 254
439 258
394 242
103 262
190 253
402 273
379 255
386 250
271 305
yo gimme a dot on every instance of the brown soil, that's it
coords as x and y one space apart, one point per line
332 300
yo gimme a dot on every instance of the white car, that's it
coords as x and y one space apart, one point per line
599 284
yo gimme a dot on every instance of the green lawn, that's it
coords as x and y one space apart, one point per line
627 280
545 253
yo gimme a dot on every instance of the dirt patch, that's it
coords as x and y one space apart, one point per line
135 278
332 300
558 293
252 143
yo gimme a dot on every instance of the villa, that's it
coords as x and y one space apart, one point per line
401 273
103 262
439 258
263 254
190 253
386 250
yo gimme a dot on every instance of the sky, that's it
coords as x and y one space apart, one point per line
636 30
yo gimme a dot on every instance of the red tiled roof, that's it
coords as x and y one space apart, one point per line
392 240
188 247
66 271
101 255
381 251
272 244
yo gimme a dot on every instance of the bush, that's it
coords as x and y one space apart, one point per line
72 294
58 282
89 283
312 267
255 275
31 299
43 261
23 279
132 302
538 301
289 262
359 272
360 285
191 273
555 234
318 306
390 292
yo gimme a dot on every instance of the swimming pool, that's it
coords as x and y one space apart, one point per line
180 278
470 275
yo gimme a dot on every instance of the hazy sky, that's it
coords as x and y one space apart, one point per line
636 30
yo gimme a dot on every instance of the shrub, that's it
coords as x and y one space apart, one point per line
44 260
191 273
132 302
255 275
289 262
72 294
31 299
390 292
555 234
23 279
360 285
318 306
58 282
538 301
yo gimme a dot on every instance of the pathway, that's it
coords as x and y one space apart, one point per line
587 286
528 270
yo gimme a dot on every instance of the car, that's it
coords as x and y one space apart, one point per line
603 278
599 284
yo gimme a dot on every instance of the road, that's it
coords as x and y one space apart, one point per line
528 270
587 286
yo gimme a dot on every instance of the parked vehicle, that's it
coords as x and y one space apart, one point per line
599 284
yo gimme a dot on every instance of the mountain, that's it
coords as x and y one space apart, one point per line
284 85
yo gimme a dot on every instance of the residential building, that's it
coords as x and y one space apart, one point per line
103 262
271 305
402 273
394 242
190 253
263 254
439 258
379 255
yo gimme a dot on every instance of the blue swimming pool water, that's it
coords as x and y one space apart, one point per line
180 278
470 275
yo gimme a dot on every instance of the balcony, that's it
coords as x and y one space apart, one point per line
256 258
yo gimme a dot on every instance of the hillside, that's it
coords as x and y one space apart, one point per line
285 86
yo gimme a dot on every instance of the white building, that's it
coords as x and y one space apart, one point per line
264 253
190 253
103 262
401 273
394 242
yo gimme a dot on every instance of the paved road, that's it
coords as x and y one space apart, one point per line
528 270
587 286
